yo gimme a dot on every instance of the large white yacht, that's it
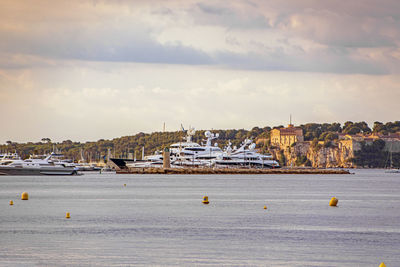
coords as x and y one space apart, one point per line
35 166
245 156
193 154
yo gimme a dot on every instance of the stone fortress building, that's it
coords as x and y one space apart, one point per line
284 137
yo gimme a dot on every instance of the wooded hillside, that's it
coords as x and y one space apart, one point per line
122 146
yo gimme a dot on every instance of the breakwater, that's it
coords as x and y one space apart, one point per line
230 171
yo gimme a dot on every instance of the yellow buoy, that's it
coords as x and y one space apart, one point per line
265 207
205 200
124 184
333 202
67 215
24 196
382 265
11 203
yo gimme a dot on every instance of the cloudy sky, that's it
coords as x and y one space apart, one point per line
85 70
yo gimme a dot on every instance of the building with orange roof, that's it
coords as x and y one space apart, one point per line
284 137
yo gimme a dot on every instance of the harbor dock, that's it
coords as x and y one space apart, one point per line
230 171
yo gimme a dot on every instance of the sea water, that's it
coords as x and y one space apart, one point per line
160 220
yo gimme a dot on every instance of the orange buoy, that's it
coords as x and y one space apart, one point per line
333 202
265 207
24 196
11 203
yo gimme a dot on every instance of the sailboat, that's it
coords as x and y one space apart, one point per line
391 168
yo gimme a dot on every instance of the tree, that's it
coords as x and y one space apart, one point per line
301 160
392 127
282 160
378 127
328 144
315 145
371 155
312 130
352 130
335 127
378 145
330 136
363 126
308 136
347 124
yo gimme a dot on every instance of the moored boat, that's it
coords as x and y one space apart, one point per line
35 167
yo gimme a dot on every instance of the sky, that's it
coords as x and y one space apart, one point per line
89 70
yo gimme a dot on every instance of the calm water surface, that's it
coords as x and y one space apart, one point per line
160 220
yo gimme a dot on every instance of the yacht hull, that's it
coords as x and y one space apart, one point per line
36 171
223 164
121 163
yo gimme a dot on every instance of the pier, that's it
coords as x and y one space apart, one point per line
230 171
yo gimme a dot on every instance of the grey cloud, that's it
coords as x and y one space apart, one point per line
109 44
368 23
344 30
322 61
337 25
230 17
339 28
139 47
215 10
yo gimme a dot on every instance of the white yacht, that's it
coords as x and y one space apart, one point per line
193 154
59 159
35 166
245 156
9 157
177 148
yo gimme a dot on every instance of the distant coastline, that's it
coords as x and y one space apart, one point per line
318 145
